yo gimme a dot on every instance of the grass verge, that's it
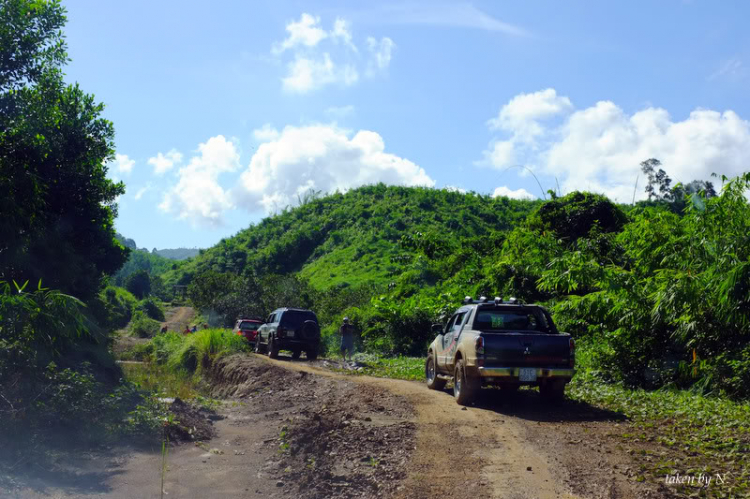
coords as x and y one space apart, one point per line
673 432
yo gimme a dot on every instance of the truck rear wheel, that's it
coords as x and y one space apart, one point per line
465 387
430 373
554 391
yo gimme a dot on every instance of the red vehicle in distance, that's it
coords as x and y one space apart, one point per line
248 328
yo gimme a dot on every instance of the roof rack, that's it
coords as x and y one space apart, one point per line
497 301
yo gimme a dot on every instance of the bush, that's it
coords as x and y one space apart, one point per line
143 327
113 308
149 307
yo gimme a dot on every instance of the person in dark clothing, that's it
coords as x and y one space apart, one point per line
347 339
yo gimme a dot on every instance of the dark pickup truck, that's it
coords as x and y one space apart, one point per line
505 343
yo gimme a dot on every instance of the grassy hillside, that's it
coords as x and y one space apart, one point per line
362 237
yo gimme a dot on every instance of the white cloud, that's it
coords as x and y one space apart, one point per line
305 32
321 157
502 154
522 115
123 164
381 51
307 74
265 133
339 112
600 148
321 58
162 163
198 197
342 32
453 188
508 193
140 192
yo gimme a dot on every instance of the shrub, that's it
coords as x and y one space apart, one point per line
142 326
151 309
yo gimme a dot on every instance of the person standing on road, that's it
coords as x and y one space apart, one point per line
347 339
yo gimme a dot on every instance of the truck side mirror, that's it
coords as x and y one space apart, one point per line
437 328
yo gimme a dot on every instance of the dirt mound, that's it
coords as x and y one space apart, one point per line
191 423
335 438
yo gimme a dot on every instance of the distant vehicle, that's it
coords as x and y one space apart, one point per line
505 343
292 329
248 328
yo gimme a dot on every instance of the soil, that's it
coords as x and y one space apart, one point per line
294 429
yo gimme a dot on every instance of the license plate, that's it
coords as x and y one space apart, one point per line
526 374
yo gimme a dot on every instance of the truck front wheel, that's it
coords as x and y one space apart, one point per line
430 372
465 387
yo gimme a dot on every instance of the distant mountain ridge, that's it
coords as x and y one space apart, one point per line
171 253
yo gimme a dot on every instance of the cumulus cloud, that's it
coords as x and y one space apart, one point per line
265 133
342 32
122 164
305 32
306 74
324 158
198 197
162 163
508 193
600 148
523 114
320 58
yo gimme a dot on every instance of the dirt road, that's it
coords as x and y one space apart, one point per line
507 446
294 429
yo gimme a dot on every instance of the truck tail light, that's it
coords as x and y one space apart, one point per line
572 344
479 345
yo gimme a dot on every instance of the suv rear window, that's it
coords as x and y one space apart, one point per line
249 326
294 318
499 319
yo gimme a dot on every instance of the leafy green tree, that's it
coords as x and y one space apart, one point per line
58 206
139 283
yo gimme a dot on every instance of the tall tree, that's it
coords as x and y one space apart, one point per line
58 206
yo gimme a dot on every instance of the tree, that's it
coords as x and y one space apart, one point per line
58 207
656 179
139 283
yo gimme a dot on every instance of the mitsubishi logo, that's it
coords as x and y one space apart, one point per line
527 351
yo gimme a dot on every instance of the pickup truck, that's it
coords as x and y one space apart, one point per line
505 343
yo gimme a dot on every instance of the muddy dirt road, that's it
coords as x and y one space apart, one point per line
294 429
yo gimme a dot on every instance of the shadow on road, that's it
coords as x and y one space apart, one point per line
39 470
530 405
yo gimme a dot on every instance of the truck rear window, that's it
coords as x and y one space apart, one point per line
511 320
249 326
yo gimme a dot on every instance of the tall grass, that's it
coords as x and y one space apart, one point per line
197 351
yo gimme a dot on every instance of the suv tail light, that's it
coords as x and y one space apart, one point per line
281 332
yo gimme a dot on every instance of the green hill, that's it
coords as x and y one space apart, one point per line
366 236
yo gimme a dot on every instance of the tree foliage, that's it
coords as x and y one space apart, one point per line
58 206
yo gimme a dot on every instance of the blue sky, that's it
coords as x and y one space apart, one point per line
228 112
